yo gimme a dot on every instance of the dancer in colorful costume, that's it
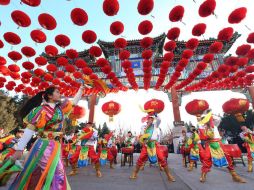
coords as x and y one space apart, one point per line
149 138
43 168
192 143
88 138
210 148
248 137
105 145
184 150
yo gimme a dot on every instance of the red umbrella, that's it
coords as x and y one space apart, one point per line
146 42
110 7
2 60
47 21
237 15
41 61
32 3
21 18
72 53
120 43
4 2
28 51
62 40
89 36
79 16
145 27
95 51
176 14
207 8
51 50
1 44
225 34
199 29
38 36
173 33
116 28
14 56
28 65
145 6
12 38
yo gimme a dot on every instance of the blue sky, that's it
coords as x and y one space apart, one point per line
128 14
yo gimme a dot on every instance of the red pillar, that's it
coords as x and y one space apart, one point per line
92 100
175 103
251 92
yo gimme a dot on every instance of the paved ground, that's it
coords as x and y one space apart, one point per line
153 179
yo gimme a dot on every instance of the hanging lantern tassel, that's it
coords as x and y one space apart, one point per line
239 117
183 23
247 27
111 118
194 1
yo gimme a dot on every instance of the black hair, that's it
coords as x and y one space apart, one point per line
130 132
36 101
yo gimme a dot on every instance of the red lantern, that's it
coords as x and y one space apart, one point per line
146 42
41 61
47 21
51 50
79 16
231 60
38 36
39 72
170 46
21 18
226 34
14 68
4 2
106 69
156 105
95 51
87 71
196 107
60 74
126 64
237 15
4 70
70 68
125 54
207 8
242 61
120 43
168 56
89 36
14 56
216 47
173 33
250 38
28 65
28 51
250 54
48 77
235 106
80 63
192 43
242 50
176 14
249 69
72 53
62 40
32 3
111 108
77 112
199 29
102 62
2 60
145 6
187 54
116 28
1 44
62 61
110 7
145 27
77 75
51 68
12 38
147 54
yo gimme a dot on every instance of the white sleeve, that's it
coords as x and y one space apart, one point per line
242 136
78 96
28 134
95 135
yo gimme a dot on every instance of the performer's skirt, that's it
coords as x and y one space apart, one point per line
43 169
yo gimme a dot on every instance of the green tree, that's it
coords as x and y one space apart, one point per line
99 130
104 130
